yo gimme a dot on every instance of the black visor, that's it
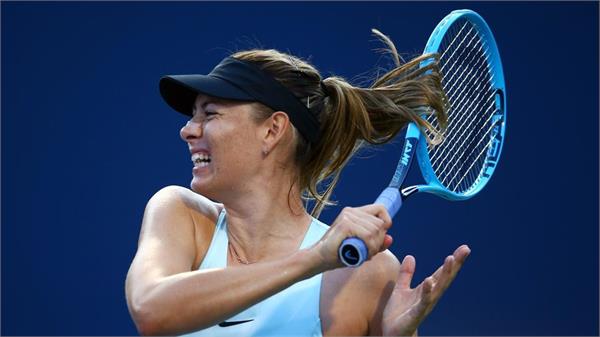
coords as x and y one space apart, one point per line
234 79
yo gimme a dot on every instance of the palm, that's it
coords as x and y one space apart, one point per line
407 307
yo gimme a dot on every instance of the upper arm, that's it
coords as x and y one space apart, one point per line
174 219
383 276
353 299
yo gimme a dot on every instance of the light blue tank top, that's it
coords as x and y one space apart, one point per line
293 311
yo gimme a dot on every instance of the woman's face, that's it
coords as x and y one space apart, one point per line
225 146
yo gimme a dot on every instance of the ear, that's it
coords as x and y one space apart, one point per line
274 129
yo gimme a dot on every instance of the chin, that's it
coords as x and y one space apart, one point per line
202 188
198 186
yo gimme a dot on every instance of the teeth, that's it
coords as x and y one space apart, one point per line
200 159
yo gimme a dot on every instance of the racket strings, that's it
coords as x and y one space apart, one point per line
466 144
455 80
452 65
459 96
452 136
446 166
450 90
468 171
485 148
468 154
462 152
458 162
458 105
450 45
431 118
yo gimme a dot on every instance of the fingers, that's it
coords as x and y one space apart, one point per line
444 268
379 211
369 232
461 253
387 242
370 224
407 271
426 295
459 256
444 276
453 263
448 273
428 285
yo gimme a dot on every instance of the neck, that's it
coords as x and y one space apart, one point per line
266 218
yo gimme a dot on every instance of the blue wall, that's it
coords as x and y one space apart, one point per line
86 140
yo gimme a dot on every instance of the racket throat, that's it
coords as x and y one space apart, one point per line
408 191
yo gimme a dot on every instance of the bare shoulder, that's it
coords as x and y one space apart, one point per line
174 198
375 275
176 230
352 299
191 215
381 269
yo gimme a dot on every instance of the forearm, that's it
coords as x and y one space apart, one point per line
195 300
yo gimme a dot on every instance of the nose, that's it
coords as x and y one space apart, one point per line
191 130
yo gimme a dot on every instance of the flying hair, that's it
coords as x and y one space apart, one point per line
352 116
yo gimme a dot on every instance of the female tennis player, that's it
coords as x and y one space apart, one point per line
266 131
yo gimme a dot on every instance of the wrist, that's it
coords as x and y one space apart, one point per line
311 261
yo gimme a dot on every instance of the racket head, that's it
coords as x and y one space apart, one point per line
473 79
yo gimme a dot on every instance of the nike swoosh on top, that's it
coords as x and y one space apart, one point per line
226 324
349 256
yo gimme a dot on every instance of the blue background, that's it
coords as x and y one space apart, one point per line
86 140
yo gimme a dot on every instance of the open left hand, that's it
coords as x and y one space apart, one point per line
406 307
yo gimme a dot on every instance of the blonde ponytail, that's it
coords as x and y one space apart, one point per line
350 116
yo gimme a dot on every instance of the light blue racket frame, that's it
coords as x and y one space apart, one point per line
433 185
353 252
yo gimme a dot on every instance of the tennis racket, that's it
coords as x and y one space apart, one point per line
464 162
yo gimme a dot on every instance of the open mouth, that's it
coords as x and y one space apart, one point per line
200 159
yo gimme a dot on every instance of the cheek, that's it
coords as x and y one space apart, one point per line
247 150
239 150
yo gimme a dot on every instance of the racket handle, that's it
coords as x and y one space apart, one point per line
353 251
391 199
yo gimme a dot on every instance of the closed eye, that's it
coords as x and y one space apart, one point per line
201 115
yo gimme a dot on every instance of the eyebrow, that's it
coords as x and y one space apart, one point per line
203 106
